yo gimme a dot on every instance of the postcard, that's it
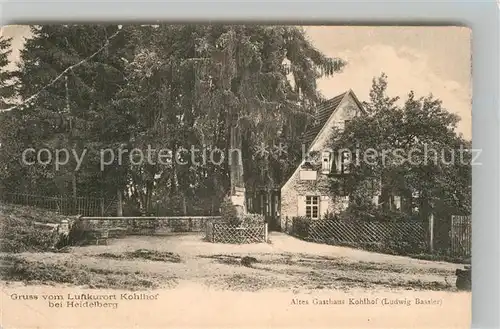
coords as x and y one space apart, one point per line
214 175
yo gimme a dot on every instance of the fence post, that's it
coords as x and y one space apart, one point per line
431 233
265 232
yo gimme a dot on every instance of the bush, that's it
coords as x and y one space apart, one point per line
78 232
229 213
331 216
401 246
251 219
19 235
371 212
300 226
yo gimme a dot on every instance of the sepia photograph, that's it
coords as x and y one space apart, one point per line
216 175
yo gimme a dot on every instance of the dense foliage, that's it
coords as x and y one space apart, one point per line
165 87
207 88
413 151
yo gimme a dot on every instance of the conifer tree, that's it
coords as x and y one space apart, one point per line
7 78
74 111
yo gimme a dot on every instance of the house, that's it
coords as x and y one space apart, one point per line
307 192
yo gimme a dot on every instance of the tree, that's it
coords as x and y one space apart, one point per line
166 87
74 112
223 86
418 154
7 78
9 122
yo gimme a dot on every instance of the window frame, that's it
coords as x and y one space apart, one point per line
326 157
345 162
312 206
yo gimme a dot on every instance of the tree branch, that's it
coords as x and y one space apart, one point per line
106 44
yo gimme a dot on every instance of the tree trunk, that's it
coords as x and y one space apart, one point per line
184 205
119 203
236 171
148 195
236 165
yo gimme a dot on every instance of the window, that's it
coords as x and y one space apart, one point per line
345 162
326 162
312 207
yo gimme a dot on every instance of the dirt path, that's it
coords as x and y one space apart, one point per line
286 263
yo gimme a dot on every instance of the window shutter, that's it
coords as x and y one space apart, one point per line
326 162
346 162
301 206
324 203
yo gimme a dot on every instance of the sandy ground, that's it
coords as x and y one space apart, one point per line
285 264
294 284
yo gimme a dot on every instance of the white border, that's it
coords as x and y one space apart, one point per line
481 16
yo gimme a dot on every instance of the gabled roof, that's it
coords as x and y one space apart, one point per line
322 113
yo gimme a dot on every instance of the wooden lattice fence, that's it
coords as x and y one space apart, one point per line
236 234
461 236
401 235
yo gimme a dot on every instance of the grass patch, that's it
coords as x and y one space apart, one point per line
21 235
25 228
224 259
35 272
423 285
343 264
443 258
153 255
245 282
394 250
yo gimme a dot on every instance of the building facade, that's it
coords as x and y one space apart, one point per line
308 191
